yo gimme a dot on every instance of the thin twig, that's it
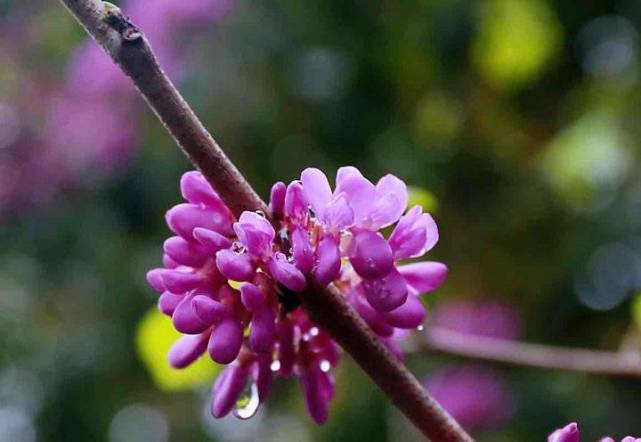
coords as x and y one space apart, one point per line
534 355
328 308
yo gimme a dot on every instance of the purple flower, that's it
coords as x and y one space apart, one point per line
481 317
475 396
570 433
347 221
231 285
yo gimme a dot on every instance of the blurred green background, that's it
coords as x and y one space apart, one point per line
518 118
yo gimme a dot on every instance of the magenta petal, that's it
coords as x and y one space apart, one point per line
256 233
370 254
208 310
225 341
569 433
213 240
316 189
338 215
185 252
263 331
154 278
361 193
316 402
277 199
234 266
168 262
328 261
264 376
185 319
187 349
302 250
373 318
391 201
167 303
415 234
424 276
195 189
226 392
184 218
386 293
177 282
407 316
287 273
296 205
251 296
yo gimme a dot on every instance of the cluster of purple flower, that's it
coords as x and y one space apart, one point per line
231 285
97 98
477 396
570 433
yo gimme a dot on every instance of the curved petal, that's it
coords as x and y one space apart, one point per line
167 303
286 273
302 250
263 330
569 433
251 296
338 214
317 190
226 392
415 234
407 316
234 266
391 201
186 320
386 293
208 310
182 219
370 255
277 199
225 341
186 252
296 205
317 403
187 349
424 276
328 261
361 193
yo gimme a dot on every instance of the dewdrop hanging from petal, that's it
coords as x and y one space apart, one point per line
231 285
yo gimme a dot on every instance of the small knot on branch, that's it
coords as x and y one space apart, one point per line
121 23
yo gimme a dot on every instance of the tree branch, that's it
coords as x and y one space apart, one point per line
534 355
327 307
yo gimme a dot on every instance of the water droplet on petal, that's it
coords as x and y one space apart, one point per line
420 327
325 366
247 404
275 365
314 331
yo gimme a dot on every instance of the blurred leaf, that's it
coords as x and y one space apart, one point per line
155 334
516 39
585 157
422 197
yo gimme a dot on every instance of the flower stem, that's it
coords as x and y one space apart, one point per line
328 308
534 355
